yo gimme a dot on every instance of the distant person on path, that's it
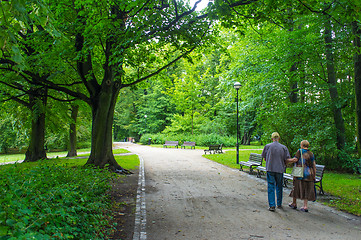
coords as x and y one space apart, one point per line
276 155
304 188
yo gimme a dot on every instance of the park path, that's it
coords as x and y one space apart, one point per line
189 197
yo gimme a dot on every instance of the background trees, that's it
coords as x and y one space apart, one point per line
298 64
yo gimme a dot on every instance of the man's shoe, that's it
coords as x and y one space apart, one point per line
280 207
272 209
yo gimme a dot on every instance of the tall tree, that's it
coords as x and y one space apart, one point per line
72 130
117 45
356 29
332 86
25 37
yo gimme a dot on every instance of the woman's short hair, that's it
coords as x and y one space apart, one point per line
305 143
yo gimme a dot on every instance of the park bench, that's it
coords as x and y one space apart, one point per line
171 144
189 144
260 169
318 182
255 160
215 148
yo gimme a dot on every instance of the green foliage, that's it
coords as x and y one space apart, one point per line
56 199
51 201
281 66
350 163
200 139
12 132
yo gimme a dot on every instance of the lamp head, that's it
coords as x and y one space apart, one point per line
237 85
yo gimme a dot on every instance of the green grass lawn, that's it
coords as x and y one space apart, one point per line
346 188
81 152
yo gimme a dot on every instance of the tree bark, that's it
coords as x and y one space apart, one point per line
293 69
332 87
246 140
357 72
102 122
36 148
72 131
293 84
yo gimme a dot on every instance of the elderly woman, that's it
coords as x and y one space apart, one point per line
303 188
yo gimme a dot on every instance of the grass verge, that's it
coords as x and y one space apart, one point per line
81 152
346 188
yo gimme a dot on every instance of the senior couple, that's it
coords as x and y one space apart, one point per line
277 156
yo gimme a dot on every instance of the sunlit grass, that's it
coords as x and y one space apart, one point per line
345 186
129 162
11 157
81 152
229 158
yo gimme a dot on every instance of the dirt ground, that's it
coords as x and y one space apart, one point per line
190 197
124 193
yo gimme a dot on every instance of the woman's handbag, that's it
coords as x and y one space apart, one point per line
298 171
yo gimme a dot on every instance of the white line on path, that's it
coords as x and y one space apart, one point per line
140 232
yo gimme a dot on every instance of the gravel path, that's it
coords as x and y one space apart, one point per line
190 197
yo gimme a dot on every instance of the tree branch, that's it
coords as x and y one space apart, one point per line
160 69
15 98
323 12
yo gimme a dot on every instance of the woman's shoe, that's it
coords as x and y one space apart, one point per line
304 210
292 206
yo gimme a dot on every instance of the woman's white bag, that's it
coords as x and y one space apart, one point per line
298 171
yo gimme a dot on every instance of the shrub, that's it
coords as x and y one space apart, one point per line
200 139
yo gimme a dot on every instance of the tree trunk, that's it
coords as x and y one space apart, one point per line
36 150
293 84
248 127
72 131
357 72
332 87
102 121
293 69
246 140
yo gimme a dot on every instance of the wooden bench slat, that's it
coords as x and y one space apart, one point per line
189 144
255 160
216 148
171 143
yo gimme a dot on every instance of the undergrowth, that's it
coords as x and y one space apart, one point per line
57 198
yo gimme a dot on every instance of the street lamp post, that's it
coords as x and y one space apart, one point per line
237 85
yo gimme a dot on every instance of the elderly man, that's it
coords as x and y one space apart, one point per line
276 155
